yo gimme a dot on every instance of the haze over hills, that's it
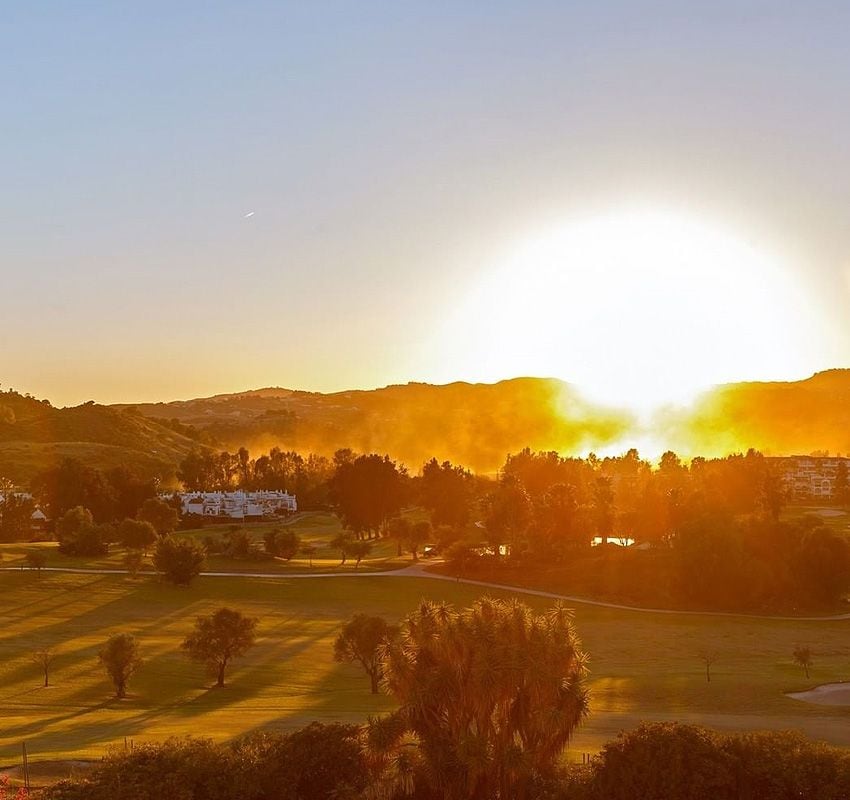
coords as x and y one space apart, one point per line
472 424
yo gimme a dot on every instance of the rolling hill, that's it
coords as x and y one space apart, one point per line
34 435
472 424
778 418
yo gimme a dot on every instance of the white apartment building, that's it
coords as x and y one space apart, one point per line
809 477
239 504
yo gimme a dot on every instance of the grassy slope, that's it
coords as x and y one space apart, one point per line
642 666
41 436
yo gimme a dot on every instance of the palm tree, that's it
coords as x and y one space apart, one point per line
488 696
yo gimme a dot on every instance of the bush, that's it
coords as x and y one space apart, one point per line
283 544
136 534
177 769
318 762
665 761
179 560
79 536
682 762
786 766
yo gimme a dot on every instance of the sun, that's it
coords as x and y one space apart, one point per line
637 308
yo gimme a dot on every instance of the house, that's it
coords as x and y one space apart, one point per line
807 478
239 504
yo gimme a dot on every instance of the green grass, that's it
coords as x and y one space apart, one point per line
836 519
317 528
642 666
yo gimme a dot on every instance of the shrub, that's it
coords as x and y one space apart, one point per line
179 560
177 769
318 762
664 761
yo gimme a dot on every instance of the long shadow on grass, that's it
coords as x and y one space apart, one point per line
244 683
52 588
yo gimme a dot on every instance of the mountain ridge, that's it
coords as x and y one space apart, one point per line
470 423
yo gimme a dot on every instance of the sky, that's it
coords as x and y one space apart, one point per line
210 197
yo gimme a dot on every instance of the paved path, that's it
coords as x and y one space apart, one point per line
419 571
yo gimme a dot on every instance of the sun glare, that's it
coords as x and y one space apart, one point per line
638 309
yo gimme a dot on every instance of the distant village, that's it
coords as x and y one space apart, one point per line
236 505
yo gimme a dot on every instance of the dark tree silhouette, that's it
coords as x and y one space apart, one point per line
219 638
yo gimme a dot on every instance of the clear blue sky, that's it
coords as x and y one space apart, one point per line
390 152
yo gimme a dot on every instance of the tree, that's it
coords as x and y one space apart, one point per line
823 565
367 492
398 529
43 658
446 491
309 550
79 536
282 543
133 561
220 637
160 514
803 658
418 534
129 491
460 556
342 542
603 507
708 658
136 534
180 560
361 640
72 522
488 696
508 512
557 522
15 515
120 657
358 549
72 484
36 559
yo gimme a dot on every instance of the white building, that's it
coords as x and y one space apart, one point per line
809 477
238 505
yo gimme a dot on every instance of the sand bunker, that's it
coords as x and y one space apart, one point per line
830 694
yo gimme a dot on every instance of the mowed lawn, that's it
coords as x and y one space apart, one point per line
643 666
313 527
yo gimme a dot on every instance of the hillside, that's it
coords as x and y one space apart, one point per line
34 435
477 424
778 418
472 424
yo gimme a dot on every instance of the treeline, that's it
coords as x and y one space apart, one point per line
305 476
366 490
109 496
706 534
711 530
332 761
